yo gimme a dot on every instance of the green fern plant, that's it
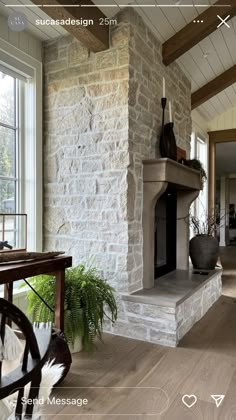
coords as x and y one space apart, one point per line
88 300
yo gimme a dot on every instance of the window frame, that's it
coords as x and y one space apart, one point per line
18 164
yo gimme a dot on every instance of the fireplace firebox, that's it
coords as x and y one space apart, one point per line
171 245
165 232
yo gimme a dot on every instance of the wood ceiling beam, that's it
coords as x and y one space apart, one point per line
95 37
222 136
215 86
193 33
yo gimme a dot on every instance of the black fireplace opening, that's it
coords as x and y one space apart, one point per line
165 232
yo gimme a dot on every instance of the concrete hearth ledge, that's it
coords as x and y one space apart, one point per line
173 288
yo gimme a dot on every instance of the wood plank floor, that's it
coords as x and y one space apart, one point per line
203 364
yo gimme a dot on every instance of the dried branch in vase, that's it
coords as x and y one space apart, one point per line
205 224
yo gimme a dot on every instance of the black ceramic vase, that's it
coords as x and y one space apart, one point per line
204 251
168 148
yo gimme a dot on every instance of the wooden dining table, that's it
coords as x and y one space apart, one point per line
54 266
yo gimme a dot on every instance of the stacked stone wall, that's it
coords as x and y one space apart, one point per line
102 118
86 153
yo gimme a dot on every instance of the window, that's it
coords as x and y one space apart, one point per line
21 140
9 159
199 151
201 154
8 143
193 146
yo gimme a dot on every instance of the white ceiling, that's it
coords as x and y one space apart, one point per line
225 158
220 46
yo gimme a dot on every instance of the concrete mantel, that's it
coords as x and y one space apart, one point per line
167 170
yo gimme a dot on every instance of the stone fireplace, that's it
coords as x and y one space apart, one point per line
103 176
169 304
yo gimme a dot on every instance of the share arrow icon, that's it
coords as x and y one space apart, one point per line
218 399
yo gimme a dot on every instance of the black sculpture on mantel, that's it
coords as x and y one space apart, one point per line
168 148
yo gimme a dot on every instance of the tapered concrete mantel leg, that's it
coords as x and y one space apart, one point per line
184 201
152 192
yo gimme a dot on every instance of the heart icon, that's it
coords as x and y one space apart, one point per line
189 400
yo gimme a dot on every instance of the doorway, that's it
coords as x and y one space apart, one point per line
222 182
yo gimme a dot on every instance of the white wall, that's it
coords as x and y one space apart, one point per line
23 41
225 121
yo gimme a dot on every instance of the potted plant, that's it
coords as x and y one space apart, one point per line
197 165
88 300
204 246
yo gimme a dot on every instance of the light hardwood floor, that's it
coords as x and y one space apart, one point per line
203 364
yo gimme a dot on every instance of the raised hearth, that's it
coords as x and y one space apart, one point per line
165 313
174 288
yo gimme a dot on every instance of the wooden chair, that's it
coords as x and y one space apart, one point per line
37 339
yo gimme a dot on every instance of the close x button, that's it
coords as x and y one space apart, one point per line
223 21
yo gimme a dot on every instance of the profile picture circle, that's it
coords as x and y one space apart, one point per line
17 22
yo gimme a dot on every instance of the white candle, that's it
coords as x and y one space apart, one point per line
170 112
164 87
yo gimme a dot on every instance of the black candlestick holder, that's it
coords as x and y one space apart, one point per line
168 148
163 105
162 141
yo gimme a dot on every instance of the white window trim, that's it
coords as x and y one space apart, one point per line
33 174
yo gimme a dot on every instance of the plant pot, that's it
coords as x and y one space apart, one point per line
77 347
204 251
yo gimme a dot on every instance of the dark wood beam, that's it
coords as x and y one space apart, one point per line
95 37
215 86
193 33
